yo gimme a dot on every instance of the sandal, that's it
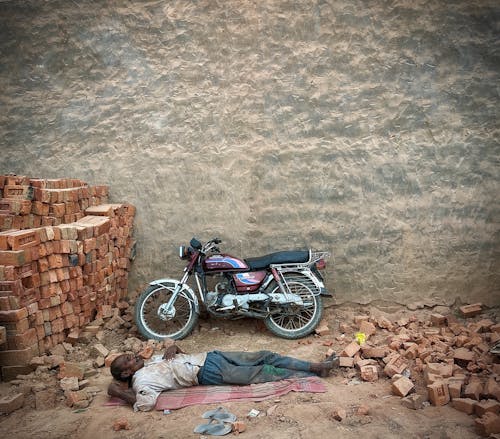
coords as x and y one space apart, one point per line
219 413
214 427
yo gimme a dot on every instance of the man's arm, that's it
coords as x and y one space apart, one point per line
171 352
119 390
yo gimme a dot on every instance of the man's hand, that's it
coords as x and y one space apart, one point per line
171 351
121 390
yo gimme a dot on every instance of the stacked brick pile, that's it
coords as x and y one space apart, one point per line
28 203
442 361
55 278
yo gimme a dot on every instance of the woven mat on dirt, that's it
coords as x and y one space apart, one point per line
176 399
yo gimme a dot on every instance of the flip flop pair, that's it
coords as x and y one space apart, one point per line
216 422
214 427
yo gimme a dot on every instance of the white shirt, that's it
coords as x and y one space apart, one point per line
155 377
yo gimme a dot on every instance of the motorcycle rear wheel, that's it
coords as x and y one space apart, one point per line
294 321
150 324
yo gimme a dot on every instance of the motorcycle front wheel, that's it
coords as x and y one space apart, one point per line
176 323
294 321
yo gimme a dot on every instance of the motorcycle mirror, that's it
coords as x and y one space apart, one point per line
195 244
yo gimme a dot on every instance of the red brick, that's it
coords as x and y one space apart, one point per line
396 365
455 388
438 393
11 372
365 327
471 310
465 405
18 327
462 356
346 362
69 369
486 406
487 424
474 390
402 386
18 357
8 288
369 373
443 369
3 335
22 341
438 319
77 398
492 389
15 258
13 315
10 403
350 350
23 239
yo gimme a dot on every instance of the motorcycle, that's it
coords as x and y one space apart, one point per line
284 289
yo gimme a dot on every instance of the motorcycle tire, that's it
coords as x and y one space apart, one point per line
151 326
293 321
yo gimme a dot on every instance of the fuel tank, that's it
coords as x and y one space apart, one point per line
248 281
224 263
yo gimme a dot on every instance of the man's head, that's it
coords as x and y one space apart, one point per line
124 366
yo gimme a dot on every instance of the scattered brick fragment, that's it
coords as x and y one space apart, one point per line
121 424
487 424
10 403
471 310
465 405
438 393
402 386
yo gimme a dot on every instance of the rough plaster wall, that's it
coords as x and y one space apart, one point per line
366 128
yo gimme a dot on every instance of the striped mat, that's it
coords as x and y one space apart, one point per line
176 399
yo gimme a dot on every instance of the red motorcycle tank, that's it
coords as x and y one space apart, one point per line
248 281
223 263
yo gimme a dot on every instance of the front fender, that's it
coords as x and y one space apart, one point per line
172 283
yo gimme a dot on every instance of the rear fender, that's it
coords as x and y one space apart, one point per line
185 289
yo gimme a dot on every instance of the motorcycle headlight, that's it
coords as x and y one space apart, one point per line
183 252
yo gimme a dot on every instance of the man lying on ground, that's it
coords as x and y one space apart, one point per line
140 385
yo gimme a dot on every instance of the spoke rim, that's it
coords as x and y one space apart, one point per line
297 318
168 327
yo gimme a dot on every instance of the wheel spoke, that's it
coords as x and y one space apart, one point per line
150 318
293 318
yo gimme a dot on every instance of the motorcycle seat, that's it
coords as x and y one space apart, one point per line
283 257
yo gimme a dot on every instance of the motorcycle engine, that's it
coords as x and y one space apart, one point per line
223 287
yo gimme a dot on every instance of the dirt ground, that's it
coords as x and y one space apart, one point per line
296 415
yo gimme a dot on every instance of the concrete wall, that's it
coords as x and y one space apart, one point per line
366 128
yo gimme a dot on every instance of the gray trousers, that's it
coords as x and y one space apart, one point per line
250 367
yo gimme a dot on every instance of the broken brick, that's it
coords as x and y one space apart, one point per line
402 386
338 414
438 393
396 365
474 390
346 362
121 424
463 356
414 401
323 329
369 373
438 319
492 389
487 424
486 406
367 328
10 403
455 388
350 350
70 369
